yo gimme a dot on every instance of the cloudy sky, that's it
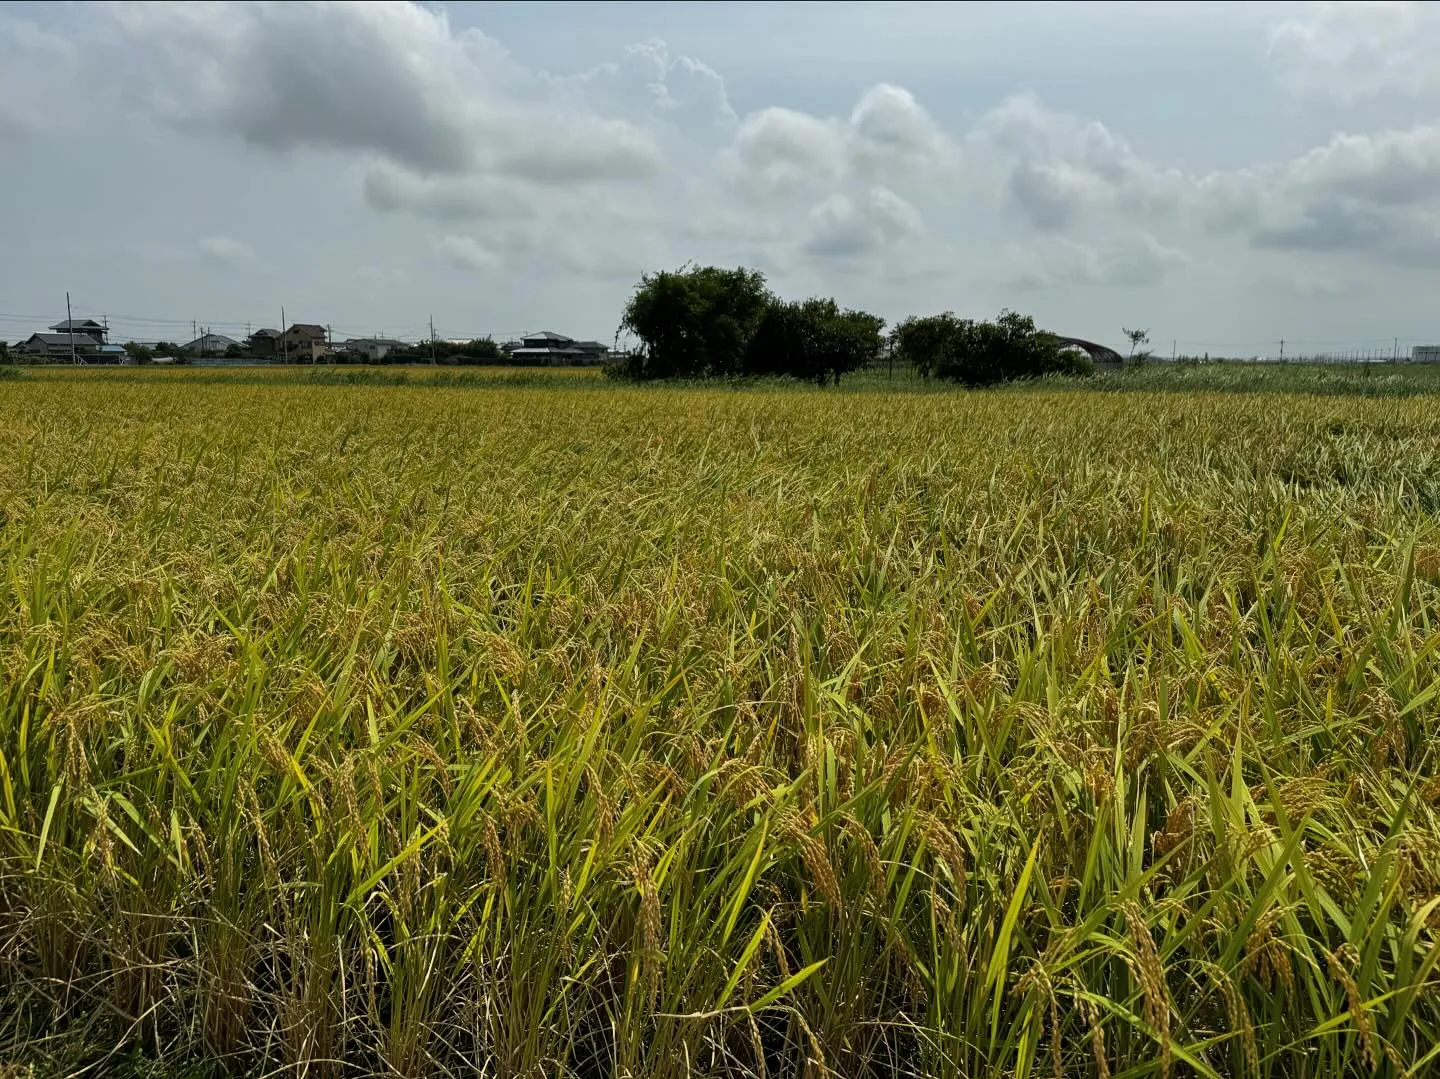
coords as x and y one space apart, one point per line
1226 175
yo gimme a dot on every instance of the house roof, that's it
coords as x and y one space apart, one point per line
356 342
77 324
306 329
60 339
211 340
265 333
549 335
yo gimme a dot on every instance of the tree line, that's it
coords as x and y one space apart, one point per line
482 350
704 322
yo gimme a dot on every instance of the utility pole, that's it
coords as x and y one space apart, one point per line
284 344
1395 354
1282 350
329 342
432 340
70 325
1173 343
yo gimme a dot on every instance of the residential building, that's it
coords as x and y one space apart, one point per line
87 326
372 349
1425 354
210 344
58 346
548 347
263 343
302 342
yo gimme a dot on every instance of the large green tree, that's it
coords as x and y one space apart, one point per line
482 350
923 341
983 353
695 322
710 322
815 340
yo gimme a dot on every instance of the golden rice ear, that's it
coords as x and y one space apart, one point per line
418 726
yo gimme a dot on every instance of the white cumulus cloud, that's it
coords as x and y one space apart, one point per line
1352 51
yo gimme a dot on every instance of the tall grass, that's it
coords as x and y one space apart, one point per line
1328 379
348 730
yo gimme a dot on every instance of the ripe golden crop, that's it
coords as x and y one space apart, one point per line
569 728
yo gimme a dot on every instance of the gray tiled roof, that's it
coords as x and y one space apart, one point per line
60 338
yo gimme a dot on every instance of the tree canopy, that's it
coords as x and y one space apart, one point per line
983 353
711 322
481 350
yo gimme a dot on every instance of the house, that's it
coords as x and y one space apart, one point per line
302 342
548 347
263 342
591 351
1425 354
372 349
210 344
59 346
87 326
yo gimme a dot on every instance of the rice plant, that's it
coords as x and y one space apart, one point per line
583 730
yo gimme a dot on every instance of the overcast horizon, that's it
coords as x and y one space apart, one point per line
1225 175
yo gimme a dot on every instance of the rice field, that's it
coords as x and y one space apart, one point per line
559 728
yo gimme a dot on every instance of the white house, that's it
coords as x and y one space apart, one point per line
372 348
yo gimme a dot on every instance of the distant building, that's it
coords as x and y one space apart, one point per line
87 326
58 346
210 344
1425 354
303 341
372 348
549 347
263 343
